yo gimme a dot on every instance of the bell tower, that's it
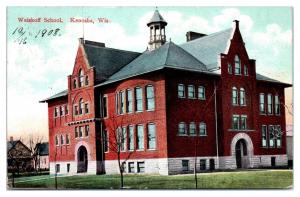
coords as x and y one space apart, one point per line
157 31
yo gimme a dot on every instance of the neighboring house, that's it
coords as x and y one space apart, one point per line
19 157
290 145
42 155
169 103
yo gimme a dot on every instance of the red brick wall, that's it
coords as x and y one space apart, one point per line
158 116
190 110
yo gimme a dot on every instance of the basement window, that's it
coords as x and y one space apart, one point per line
185 165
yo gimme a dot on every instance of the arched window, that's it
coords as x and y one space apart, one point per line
237 65
234 96
86 80
242 96
81 78
81 106
138 99
150 97
74 83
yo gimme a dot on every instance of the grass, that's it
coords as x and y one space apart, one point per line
223 180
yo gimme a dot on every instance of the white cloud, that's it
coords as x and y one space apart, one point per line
34 74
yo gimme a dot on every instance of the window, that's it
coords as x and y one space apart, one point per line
151 136
201 92
130 167
123 139
277 105
140 167
140 137
278 136
131 138
181 91
181 128
245 70
122 102
67 139
66 109
68 167
105 141
138 99
262 103
202 129
237 64
243 122
123 166
128 101
86 80
150 97
264 135
56 112
202 164
62 110
235 122
104 112
117 103
229 69
87 130
76 132
81 105
234 96
74 83
192 128
56 140
242 96
185 165
57 168
270 104
271 136
76 110
81 78
62 140
86 107
80 131
191 91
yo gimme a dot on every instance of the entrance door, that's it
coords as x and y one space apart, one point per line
241 154
82 161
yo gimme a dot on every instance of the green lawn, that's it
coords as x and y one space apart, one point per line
227 180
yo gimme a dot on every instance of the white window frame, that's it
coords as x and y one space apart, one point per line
243 97
192 125
233 122
264 136
276 105
235 100
202 126
140 137
150 136
149 99
184 127
270 104
262 105
191 92
201 92
244 127
237 65
181 91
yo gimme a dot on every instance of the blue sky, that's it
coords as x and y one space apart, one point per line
42 64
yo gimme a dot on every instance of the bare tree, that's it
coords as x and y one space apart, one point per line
117 144
32 141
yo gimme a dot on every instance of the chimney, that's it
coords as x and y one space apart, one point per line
81 40
191 35
11 138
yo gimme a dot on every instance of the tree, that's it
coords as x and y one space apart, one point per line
32 141
117 143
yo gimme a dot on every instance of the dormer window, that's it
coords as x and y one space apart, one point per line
237 65
81 78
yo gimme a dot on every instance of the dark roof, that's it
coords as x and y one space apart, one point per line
169 55
157 18
267 79
207 49
60 94
43 148
107 61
